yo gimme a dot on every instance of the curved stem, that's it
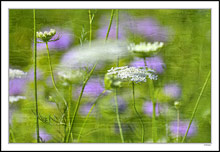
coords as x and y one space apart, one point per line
52 76
87 117
142 124
77 105
118 117
196 106
35 78
110 24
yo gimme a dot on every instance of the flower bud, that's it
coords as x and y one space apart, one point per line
177 104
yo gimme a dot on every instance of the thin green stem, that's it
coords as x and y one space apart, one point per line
12 135
110 24
78 103
87 117
178 124
196 106
90 28
35 78
118 117
117 28
142 123
154 122
52 76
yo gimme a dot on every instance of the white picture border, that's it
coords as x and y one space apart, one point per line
5 6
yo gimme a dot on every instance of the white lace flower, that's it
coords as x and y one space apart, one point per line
70 75
15 73
16 98
132 74
46 36
145 49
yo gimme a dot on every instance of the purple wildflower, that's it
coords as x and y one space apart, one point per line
65 41
172 90
17 86
93 88
43 136
112 33
151 29
122 28
183 125
156 63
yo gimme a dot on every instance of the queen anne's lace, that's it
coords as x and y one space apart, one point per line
15 73
46 36
145 47
132 74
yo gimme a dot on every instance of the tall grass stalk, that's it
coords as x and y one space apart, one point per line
139 117
90 27
35 77
87 117
196 106
77 105
110 24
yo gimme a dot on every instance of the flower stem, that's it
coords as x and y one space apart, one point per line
118 117
12 135
142 124
90 28
178 124
154 122
87 117
77 105
110 24
196 106
35 77
52 76
117 27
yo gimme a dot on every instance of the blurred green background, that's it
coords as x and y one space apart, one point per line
187 56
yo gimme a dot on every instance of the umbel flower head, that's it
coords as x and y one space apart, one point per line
15 73
120 74
46 36
145 49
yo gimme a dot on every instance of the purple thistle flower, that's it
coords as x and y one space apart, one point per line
156 63
160 108
172 90
93 88
43 135
183 125
65 41
148 108
17 86
151 29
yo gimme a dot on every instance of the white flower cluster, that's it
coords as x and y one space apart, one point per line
132 73
15 73
16 98
46 36
70 75
145 47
